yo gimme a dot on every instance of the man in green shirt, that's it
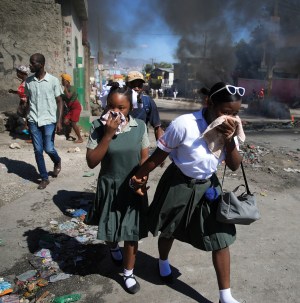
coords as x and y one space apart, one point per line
45 115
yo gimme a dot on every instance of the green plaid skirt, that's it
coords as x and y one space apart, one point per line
180 210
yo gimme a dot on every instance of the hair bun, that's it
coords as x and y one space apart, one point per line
114 86
205 91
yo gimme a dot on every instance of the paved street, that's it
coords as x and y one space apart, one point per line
265 256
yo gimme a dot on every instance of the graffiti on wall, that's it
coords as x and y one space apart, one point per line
67 28
11 55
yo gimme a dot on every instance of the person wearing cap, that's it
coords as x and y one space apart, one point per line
22 111
45 115
70 97
145 108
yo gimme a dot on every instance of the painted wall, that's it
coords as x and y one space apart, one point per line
72 32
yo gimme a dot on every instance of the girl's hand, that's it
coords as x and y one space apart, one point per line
112 125
227 129
139 185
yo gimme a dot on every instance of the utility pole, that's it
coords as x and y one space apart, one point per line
205 45
152 62
272 43
115 53
100 59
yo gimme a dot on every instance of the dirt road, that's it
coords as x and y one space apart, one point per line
265 265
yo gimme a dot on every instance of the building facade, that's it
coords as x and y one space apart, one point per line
55 28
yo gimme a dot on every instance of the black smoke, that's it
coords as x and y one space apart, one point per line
208 30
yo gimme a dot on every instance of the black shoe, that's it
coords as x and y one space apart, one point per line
115 261
133 289
43 184
167 279
57 169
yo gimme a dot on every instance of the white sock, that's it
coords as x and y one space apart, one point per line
164 267
129 282
116 253
226 297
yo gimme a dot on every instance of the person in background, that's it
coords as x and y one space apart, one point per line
104 93
186 199
175 92
120 143
146 108
261 94
23 108
45 115
70 97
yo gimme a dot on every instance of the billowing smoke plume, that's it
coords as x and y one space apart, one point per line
208 30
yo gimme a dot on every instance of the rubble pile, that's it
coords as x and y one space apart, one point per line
62 252
253 154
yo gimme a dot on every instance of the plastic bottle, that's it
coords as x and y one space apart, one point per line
67 298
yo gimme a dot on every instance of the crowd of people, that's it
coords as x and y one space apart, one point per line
182 208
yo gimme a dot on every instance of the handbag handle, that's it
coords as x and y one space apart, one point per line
244 175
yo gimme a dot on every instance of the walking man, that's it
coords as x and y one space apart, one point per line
146 108
45 115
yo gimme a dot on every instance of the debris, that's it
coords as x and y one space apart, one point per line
88 174
58 277
46 297
291 170
271 169
78 213
67 298
26 276
73 150
15 145
5 288
43 253
10 299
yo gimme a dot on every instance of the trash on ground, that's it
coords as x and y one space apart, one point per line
15 146
88 174
291 170
67 298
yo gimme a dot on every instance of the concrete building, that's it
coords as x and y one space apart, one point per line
29 27
55 28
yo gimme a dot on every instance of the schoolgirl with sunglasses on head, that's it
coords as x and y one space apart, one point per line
186 198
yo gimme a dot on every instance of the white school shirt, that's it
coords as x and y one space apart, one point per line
182 139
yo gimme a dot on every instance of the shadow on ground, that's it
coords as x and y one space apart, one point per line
21 169
96 258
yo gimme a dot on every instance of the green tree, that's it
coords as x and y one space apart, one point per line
148 68
163 65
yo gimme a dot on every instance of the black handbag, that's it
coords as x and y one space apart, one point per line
236 209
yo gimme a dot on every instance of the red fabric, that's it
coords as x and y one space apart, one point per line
21 91
74 111
261 94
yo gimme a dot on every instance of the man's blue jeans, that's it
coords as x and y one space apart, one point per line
43 140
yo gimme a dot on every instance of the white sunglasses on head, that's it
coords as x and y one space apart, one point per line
232 90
